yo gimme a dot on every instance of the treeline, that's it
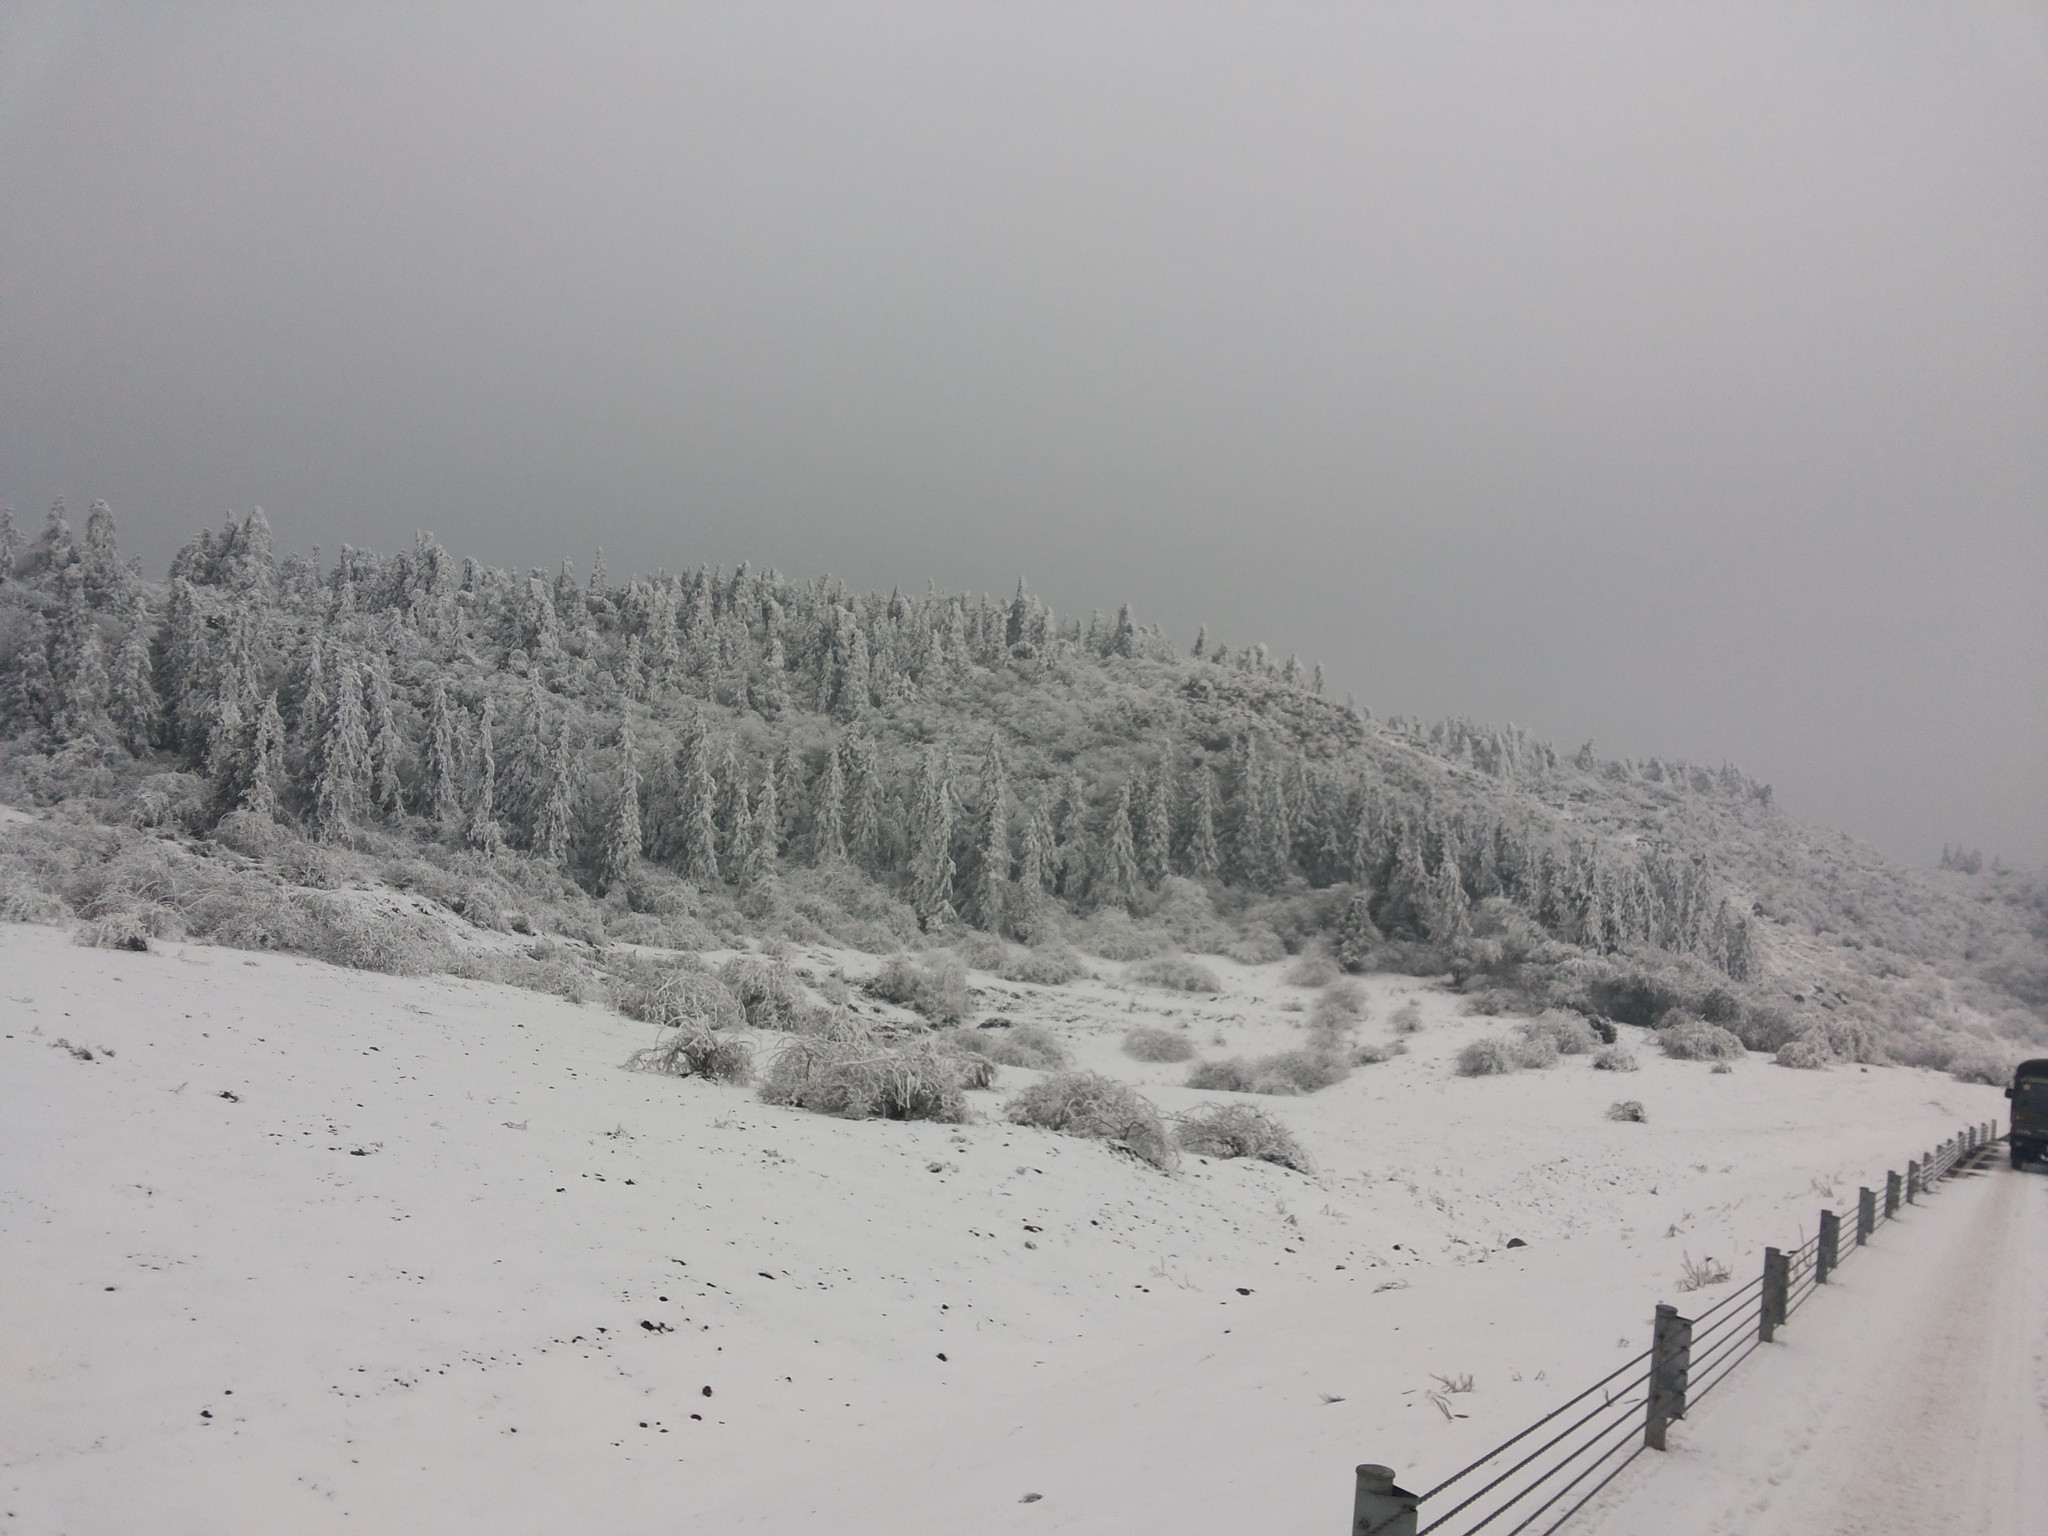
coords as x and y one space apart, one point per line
983 760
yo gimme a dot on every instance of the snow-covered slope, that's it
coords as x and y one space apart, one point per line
308 1249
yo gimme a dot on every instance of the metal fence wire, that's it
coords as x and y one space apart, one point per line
1537 1479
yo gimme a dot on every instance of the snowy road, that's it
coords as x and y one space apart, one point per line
1909 1397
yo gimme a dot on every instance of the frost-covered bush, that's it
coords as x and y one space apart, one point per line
1570 1032
1846 1039
1257 945
1535 1051
1151 1043
1373 1055
934 985
1240 1130
1178 973
1407 1019
852 1072
684 994
1284 1073
1809 1052
768 993
1615 1058
1031 1046
1489 1056
1688 1038
1338 1006
973 1069
1089 1104
1982 1061
1630 1110
1312 968
1111 934
342 933
696 1050
1044 967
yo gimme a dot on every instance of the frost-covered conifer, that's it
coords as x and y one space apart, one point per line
991 885
735 813
263 760
697 809
1203 860
931 872
1155 830
620 848
863 803
132 700
343 778
483 832
856 679
1119 852
1449 911
440 775
555 821
387 789
828 822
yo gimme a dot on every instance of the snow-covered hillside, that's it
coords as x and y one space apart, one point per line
308 1249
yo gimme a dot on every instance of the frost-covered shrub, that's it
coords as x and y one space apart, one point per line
1031 1046
1615 1058
1846 1039
768 993
695 1050
852 1072
1373 1055
1089 1104
1570 1032
1240 1130
1982 1061
168 802
1407 1019
1285 1073
1111 934
1809 1052
342 933
1489 1056
934 985
1151 1043
1535 1051
1178 973
21 902
973 1069
1044 967
981 951
1687 1038
1338 1006
1630 1110
684 994
1257 945
1312 968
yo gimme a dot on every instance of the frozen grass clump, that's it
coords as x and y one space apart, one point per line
1101 1108
1177 973
1151 1043
1240 1130
768 993
696 1050
1031 1046
1489 1056
1809 1053
1690 1038
934 985
1615 1058
1313 968
1044 967
854 1073
1570 1031
1630 1110
1285 1073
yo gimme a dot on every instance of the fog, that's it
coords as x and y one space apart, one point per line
1674 376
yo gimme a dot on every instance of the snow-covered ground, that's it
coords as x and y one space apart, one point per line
302 1249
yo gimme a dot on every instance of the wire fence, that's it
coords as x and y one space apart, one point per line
1537 1479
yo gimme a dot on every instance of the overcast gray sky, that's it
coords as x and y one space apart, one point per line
1671 375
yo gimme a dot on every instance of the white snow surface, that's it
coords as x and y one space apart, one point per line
304 1249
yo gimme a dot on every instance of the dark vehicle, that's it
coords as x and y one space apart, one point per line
2029 1095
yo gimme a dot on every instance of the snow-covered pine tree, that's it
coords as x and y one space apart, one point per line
340 786
263 761
483 832
620 847
439 790
828 821
931 890
990 891
1202 859
1155 832
132 701
387 747
696 829
1119 880
863 804
555 821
